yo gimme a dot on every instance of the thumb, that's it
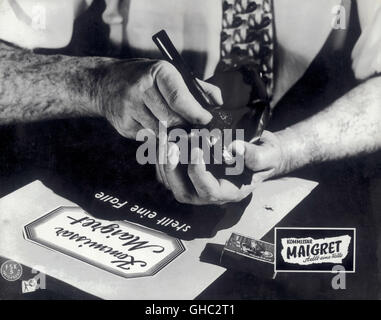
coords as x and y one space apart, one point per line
254 155
213 92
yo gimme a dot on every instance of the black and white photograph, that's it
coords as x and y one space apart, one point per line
190 150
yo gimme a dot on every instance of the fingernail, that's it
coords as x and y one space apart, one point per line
228 157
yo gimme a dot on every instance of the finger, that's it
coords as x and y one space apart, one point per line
211 190
231 193
181 189
213 92
161 160
145 117
128 128
159 108
262 176
255 156
172 156
206 185
159 176
172 86
237 147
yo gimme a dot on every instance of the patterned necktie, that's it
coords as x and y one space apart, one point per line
247 37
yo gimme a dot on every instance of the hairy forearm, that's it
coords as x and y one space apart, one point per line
351 126
35 87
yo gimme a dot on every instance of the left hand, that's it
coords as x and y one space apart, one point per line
196 185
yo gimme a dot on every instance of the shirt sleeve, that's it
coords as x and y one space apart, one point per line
39 23
366 55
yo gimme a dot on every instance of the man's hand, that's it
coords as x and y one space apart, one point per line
196 185
136 94
193 184
131 94
267 158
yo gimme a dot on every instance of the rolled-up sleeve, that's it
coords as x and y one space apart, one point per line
41 23
366 55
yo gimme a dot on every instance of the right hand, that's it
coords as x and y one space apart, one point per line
137 94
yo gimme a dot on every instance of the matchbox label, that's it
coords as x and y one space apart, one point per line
314 250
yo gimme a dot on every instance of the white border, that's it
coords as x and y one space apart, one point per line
315 271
